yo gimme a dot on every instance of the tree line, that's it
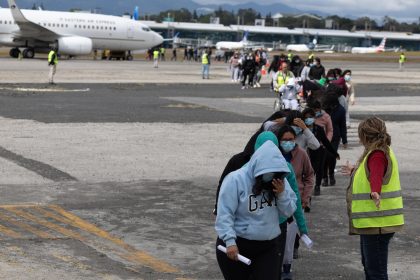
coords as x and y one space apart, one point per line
248 17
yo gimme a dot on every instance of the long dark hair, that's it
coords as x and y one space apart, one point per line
283 130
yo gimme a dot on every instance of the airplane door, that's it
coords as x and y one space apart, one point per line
130 32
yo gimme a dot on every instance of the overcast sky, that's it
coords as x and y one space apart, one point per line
402 9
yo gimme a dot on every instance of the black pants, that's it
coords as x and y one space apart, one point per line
263 254
318 161
374 250
282 241
250 76
331 161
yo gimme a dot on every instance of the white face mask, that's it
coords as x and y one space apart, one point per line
347 78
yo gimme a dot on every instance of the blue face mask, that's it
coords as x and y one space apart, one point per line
287 146
347 78
268 177
318 114
309 121
297 130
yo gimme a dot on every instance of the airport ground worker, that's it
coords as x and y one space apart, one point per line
402 61
52 62
374 201
156 55
205 61
251 202
290 56
283 76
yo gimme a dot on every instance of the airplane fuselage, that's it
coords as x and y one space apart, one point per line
106 32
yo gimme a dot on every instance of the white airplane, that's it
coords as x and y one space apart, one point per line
226 45
302 47
71 33
379 49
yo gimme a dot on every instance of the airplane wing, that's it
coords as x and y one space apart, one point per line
29 29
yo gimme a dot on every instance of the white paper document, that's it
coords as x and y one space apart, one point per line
240 257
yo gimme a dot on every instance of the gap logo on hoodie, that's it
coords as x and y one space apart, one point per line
259 202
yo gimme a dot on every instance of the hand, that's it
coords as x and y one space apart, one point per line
337 157
278 186
347 170
232 252
376 197
300 123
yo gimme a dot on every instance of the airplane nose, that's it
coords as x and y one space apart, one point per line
158 39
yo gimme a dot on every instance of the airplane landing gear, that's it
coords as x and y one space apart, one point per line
29 53
15 52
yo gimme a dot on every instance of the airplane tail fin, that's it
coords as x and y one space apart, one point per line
381 47
136 13
245 39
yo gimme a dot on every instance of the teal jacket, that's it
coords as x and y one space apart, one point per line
291 178
298 215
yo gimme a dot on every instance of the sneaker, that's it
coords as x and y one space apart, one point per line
243 88
332 181
325 182
233 81
317 191
258 85
286 276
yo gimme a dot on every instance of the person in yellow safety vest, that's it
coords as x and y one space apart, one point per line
162 53
290 56
206 65
402 60
311 56
156 55
283 76
374 199
52 63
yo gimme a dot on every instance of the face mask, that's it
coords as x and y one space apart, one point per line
297 130
318 114
309 121
311 65
287 146
347 78
297 61
331 78
268 177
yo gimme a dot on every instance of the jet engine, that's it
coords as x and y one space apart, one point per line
74 45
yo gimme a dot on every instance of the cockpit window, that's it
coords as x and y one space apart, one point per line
146 29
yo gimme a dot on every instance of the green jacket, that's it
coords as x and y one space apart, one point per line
298 215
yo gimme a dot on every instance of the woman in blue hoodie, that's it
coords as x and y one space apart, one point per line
251 202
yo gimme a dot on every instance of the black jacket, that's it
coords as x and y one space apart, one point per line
338 118
316 72
319 133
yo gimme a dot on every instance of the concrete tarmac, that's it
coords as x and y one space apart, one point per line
117 181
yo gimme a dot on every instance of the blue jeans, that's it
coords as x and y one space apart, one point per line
206 70
374 250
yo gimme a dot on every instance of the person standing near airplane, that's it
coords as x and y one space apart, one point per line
156 54
52 62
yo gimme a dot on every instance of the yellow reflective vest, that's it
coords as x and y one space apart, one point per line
364 213
205 59
402 58
52 58
156 54
282 78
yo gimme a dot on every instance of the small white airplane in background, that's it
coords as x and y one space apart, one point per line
302 47
71 33
226 45
379 49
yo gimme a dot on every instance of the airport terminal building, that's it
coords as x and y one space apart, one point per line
276 36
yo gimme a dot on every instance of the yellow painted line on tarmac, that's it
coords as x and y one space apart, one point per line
6 231
47 224
27 205
26 227
133 255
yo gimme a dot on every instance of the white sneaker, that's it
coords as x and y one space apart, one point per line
243 87
258 85
233 81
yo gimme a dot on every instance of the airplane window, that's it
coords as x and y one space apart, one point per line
53 24
146 29
67 25
1 22
106 27
75 26
49 24
115 28
102 27
84 26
